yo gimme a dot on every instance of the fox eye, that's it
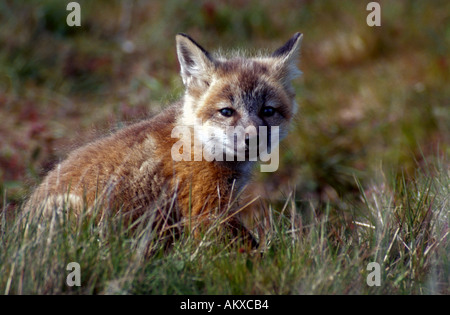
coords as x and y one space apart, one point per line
268 111
227 112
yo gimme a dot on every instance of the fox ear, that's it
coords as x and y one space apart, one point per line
194 60
287 56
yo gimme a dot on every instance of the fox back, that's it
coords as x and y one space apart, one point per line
147 167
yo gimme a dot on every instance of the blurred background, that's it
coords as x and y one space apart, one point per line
374 101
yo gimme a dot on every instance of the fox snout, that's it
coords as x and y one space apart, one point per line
248 143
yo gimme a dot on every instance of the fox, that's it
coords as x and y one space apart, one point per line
133 170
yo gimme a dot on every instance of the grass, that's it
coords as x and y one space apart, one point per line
402 225
363 175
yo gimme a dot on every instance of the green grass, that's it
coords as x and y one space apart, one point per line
364 172
402 225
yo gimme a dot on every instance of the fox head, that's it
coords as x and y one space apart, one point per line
229 99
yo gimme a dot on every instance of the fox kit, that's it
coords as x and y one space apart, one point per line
134 169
